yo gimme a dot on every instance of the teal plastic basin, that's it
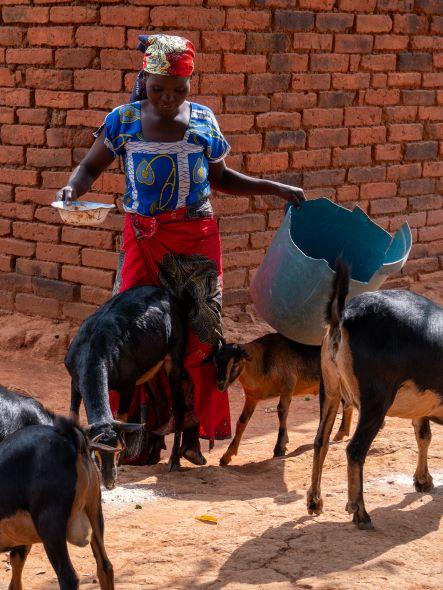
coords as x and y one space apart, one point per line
291 287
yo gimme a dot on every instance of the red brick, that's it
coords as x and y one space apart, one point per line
129 16
5 227
243 223
386 206
430 233
49 79
16 247
357 5
292 20
417 186
188 18
108 100
220 83
404 79
97 80
433 169
75 57
11 36
37 268
113 183
48 158
60 100
353 81
233 62
19 97
413 132
425 202
320 138
31 304
58 253
421 62
88 237
311 159
56 289
427 42
391 42
434 80
78 311
311 81
288 62
395 5
312 41
94 295
33 116
247 104
85 118
54 179
292 101
336 22
430 113
422 150
35 231
100 36
401 114
404 171
23 134
335 99
373 23
324 178
26 177
29 56
409 23
278 119
269 162
223 41
353 43
322 117
245 142
88 276
25 14
347 193
230 123
6 115
435 130
285 139
363 116
207 62
247 20
378 190
11 155
317 4
230 205
368 135
53 36
388 152
366 175
73 14
268 83
379 62
6 263
118 59
382 96
234 242
355 156
17 211
329 62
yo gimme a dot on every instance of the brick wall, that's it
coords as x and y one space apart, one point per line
342 97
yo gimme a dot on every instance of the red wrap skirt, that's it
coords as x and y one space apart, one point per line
157 250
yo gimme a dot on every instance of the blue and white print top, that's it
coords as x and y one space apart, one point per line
163 176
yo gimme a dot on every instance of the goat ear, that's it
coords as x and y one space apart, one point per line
126 426
96 446
245 355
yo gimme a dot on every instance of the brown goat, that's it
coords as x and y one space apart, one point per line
268 367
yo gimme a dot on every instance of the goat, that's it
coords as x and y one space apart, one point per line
50 494
124 343
268 367
383 352
18 410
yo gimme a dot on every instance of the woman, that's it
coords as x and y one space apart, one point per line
173 153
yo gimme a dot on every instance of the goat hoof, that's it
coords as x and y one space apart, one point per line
194 457
279 452
314 504
364 522
174 466
339 436
423 486
225 460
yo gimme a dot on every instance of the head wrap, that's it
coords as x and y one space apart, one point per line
167 55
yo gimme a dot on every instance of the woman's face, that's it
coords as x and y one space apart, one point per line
167 93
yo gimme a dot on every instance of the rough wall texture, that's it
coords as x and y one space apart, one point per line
342 97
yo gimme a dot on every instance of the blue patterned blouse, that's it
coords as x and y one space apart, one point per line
163 176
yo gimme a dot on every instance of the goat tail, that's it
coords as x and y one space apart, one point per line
67 428
336 303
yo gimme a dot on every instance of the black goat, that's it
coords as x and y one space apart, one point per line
50 494
124 343
18 410
383 352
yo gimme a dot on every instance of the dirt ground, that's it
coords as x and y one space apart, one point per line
263 538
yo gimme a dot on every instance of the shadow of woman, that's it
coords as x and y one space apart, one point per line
313 548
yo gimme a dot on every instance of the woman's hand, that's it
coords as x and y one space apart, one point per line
292 194
67 194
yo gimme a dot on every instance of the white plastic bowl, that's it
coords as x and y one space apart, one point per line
82 212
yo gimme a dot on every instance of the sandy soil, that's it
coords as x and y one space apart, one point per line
264 538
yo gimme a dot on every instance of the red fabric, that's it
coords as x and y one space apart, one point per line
173 233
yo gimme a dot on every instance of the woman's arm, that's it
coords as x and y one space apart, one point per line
232 182
93 164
